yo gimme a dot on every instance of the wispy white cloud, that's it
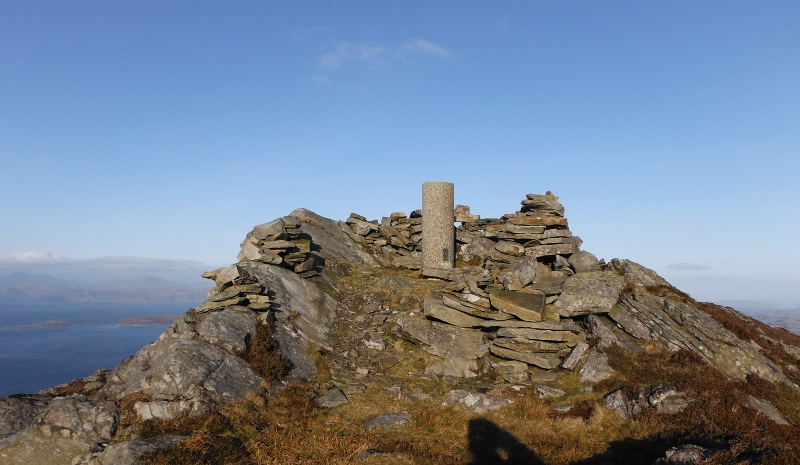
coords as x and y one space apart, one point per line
373 54
417 46
34 258
689 266
364 52
31 258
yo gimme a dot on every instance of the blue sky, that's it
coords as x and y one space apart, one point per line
166 130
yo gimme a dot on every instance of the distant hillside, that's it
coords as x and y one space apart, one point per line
787 319
24 286
149 320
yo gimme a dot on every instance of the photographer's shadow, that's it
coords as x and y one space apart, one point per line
491 445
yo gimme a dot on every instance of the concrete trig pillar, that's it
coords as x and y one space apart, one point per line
438 233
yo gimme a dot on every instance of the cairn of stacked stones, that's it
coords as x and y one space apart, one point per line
280 242
395 240
235 286
509 279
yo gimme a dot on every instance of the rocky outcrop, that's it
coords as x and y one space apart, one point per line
182 373
54 430
129 452
631 402
525 305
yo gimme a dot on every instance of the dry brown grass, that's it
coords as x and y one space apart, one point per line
263 355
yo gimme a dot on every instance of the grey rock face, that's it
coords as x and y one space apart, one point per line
333 243
477 247
64 429
596 368
191 371
589 293
766 408
230 329
18 413
303 316
676 325
608 334
129 452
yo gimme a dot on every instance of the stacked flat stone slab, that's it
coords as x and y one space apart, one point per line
280 242
538 229
235 286
520 325
394 240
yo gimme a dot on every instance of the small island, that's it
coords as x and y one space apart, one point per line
148 320
43 324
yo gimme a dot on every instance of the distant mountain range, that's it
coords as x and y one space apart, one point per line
43 287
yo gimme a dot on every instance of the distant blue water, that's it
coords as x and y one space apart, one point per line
32 359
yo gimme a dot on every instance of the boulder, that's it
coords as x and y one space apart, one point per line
518 274
584 262
686 454
596 368
635 275
129 452
630 402
478 247
478 403
575 356
547 392
443 340
386 420
331 398
589 293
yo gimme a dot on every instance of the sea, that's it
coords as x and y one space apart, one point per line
36 358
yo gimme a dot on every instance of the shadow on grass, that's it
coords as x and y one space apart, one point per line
492 445
631 451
